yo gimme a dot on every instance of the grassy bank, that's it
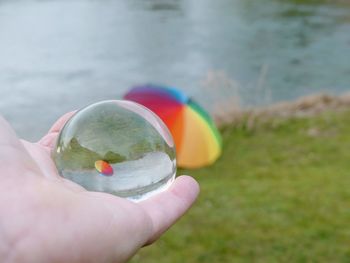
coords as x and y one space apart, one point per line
279 193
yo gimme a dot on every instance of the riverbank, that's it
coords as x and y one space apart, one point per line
307 106
279 193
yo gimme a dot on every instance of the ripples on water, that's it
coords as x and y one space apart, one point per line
56 56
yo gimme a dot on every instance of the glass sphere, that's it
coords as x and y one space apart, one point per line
118 147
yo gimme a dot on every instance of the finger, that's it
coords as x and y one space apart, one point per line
167 207
13 156
49 139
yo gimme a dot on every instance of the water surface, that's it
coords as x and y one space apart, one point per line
56 56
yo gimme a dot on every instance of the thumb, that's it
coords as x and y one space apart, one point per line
49 139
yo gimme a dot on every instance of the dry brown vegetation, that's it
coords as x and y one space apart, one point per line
303 107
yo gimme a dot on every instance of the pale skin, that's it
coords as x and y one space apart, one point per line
46 218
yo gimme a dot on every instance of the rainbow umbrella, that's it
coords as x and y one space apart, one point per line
197 140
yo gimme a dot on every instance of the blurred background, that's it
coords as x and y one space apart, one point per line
280 191
56 56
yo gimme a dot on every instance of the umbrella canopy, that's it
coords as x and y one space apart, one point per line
197 140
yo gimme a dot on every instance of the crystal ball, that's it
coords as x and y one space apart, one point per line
118 147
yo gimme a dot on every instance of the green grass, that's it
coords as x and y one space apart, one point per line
280 193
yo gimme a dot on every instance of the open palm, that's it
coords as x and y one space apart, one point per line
46 218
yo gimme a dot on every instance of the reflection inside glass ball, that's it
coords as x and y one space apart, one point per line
118 147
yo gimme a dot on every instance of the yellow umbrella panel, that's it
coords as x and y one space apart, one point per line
200 143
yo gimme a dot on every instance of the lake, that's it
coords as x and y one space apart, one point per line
56 56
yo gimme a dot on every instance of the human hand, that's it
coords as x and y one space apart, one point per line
46 218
